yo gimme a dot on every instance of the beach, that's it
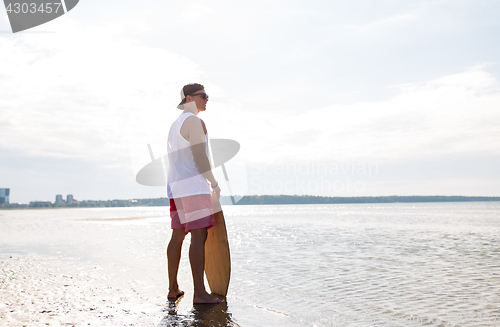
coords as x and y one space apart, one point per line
52 274
40 291
292 265
97 267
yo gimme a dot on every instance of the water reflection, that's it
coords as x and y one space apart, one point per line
201 315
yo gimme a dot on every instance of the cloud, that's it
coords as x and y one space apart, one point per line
194 13
85 93
389 22
453 114
89 97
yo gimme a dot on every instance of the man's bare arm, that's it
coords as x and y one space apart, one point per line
196 134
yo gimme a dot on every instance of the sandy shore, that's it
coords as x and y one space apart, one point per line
44 291
107 267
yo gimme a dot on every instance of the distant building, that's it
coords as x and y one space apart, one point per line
59 198
16 205
40 204
4 195
69 198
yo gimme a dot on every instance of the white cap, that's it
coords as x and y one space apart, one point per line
181 105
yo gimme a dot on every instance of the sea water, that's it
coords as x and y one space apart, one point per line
401 264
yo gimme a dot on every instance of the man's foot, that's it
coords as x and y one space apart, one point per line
174 294
206 299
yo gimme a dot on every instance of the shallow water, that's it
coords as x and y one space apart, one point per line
292 265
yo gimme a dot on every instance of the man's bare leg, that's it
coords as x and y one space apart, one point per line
197 259
174 257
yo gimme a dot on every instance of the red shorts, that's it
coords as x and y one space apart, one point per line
192 212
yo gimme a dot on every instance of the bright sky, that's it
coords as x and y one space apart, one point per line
333 98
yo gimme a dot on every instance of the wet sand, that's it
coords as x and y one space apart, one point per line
114 219
49 291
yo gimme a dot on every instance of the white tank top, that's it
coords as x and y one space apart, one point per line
183 177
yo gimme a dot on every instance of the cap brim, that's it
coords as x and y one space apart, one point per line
181 105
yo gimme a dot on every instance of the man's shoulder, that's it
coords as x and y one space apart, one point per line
194 122
192 119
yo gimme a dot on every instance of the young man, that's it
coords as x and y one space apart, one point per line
189 191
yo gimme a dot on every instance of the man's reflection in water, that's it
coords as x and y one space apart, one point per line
202 315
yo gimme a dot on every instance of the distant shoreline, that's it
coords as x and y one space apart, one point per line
261 200
296 199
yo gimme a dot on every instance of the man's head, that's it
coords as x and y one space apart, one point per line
194 92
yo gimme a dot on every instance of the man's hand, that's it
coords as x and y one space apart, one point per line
216 190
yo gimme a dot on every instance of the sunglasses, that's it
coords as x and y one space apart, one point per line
204 96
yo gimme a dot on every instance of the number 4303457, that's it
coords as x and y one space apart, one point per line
32 8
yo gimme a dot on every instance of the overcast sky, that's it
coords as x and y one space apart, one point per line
334 98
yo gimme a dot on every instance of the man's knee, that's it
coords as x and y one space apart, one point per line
199 235
178 236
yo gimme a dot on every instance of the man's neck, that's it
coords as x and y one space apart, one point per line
191 107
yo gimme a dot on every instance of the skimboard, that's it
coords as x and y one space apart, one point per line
217 258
